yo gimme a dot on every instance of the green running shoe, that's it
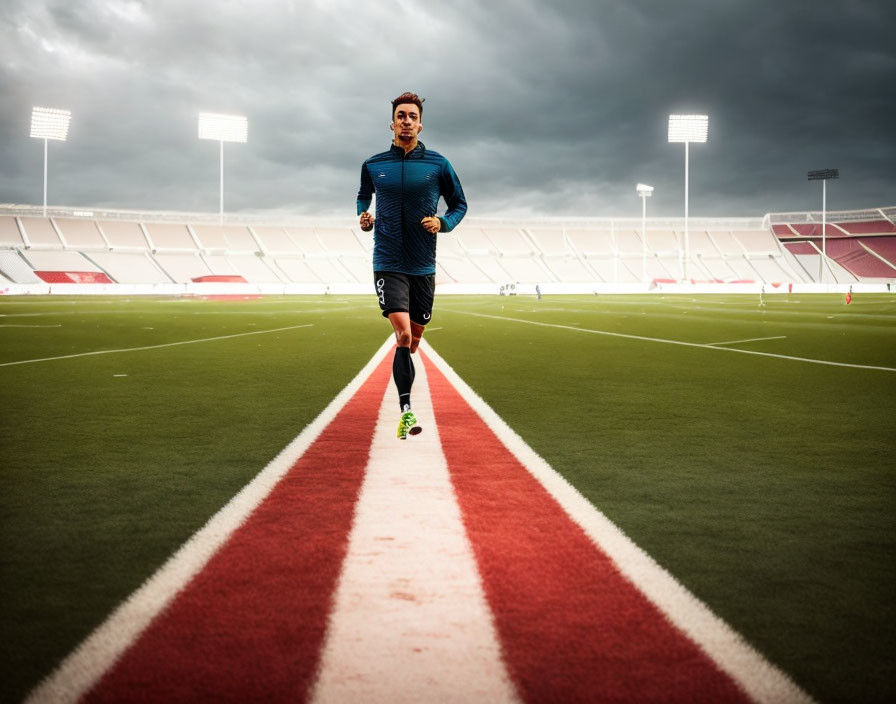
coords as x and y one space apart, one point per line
408 420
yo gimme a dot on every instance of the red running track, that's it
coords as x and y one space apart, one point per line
250 626
573 629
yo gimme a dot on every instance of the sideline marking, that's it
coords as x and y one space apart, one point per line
752 339
760 679
30 326
100 649
673 342
153 347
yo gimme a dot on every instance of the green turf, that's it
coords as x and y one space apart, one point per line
104 476
764 484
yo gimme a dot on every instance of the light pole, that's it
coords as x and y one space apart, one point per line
823 175
47 124
644 192
687 129
223 128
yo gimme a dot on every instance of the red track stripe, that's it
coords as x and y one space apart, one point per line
250 626
573 629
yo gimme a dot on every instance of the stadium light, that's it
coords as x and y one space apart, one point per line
47 124
644 192
223 128
823 175
687 129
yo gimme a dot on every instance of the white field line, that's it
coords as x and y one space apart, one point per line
410 621
30 326
154 347
752 339
99 651
674 342
761 680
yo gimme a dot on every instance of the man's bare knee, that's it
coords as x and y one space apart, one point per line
403 338
416 334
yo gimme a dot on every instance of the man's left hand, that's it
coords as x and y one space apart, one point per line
431 224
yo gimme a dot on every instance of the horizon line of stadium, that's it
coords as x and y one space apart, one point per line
84 251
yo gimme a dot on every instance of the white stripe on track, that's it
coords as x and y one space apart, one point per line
671 342
155 347
99 651
760 679
410 621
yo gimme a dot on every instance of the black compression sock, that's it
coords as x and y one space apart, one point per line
403 373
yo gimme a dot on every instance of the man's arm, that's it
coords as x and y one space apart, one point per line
365 192
453 193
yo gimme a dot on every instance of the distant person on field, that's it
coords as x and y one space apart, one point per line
848 297
408 181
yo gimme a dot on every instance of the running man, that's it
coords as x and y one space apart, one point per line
408 181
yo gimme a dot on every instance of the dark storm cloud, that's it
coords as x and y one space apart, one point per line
551 108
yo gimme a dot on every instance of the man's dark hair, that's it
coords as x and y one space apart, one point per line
408 98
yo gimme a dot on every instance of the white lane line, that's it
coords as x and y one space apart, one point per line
752 339
762 680
673 342
410 621
154 347
99 651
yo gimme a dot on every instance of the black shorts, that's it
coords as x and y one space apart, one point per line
405 293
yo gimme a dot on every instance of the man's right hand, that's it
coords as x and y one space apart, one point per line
366 221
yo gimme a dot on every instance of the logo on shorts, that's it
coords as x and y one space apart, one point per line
381 174
426 316
379 289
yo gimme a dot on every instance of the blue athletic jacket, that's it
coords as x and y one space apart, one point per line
407 189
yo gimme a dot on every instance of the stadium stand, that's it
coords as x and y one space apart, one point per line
165 237
861 260
254 269
82 235
131 267
123 236
39 233
870 227
558 255
16 269
343 242
305 241
509 242
592 243
860 245
44 260
273 240
459 271
171 252
182 268
296 271
10 236
227 238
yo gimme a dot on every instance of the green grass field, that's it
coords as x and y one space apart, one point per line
764 482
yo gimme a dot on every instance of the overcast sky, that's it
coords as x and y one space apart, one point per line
544 107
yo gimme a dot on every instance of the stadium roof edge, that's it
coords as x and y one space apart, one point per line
292 219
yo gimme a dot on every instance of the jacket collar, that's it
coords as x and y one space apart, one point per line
415 153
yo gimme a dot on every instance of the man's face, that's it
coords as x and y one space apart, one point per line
406 122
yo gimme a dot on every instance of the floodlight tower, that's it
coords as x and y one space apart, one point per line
223 128
644 192
47 124
823 175
687 129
